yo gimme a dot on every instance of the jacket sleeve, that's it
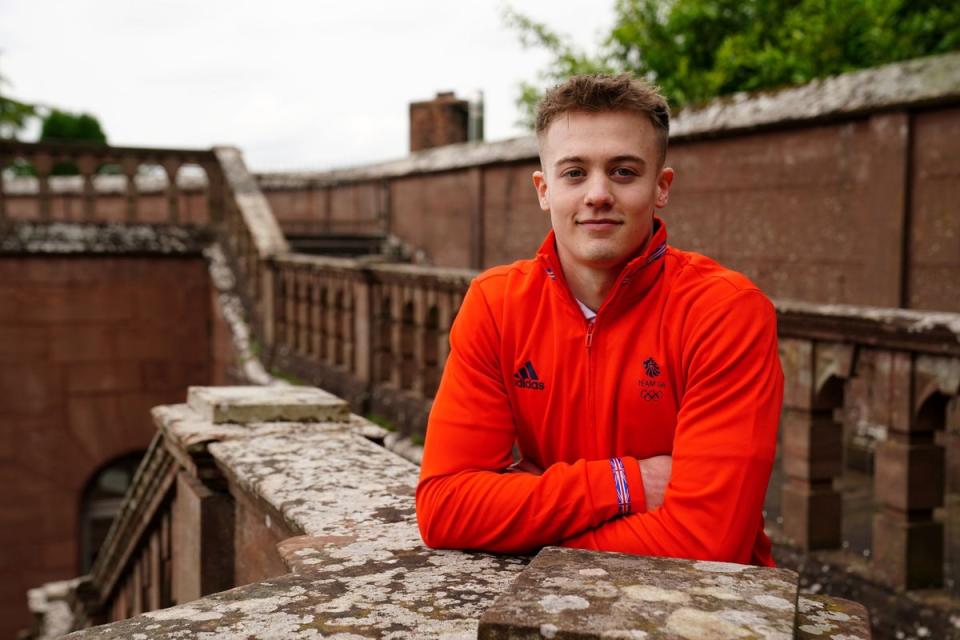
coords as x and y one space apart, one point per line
724 443
464 500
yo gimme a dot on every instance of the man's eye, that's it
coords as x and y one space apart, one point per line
573 173
624 172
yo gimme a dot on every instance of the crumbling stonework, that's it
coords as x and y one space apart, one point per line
622 596
358 568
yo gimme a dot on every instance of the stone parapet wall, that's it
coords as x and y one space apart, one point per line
337 551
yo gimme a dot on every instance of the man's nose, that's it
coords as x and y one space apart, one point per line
598 193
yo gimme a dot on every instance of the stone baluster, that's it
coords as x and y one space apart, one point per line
408 339
278 327
43 163
431 344
418 350
87 165
340 319
812 441
330 322
171 167
130 166
303 311
909 473
215 192
364 329
348 323
290 340
395 329
315 316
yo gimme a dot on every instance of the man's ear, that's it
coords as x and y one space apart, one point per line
664 180
540 184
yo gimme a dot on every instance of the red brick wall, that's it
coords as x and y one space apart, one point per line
935 211
862 211
88 345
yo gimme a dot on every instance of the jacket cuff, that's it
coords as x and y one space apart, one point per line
638 497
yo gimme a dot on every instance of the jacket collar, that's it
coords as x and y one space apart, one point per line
637 276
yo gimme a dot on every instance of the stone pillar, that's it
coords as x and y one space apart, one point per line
395 346
812 442
418 361
909 479
129 167
316 317
363 329
301 285
44 165
202 540
87 165
171 166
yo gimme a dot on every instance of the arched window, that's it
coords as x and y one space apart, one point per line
101 502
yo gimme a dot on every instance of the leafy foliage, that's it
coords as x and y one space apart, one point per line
61 126
14 114
699 49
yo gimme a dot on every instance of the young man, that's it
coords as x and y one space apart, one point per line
612 360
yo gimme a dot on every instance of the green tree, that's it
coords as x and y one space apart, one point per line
14 114
700 49
62 126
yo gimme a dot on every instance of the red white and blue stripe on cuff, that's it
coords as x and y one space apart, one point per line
620 483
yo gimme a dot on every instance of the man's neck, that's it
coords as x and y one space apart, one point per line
589 285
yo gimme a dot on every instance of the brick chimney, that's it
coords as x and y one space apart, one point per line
438 122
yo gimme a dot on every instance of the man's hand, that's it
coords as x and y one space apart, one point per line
655 472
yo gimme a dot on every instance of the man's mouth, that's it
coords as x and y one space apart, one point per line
599 222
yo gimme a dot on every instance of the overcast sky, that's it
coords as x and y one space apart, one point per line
296 85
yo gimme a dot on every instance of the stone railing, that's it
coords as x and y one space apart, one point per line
248 234
109 185
283 494
376 334
878 388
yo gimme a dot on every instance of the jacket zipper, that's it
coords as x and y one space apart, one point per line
591 409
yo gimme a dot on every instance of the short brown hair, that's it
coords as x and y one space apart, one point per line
599 93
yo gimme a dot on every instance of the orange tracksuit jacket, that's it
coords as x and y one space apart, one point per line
681 359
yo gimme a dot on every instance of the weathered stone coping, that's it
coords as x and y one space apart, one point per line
914 83
252 206
362 568
625 596
442 277
76 238
935 332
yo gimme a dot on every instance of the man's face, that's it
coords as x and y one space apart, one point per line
600 184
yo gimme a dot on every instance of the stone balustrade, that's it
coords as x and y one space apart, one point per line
110 180
374 333
274 513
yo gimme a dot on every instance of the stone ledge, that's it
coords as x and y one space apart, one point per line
99 238
253 404
571 593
